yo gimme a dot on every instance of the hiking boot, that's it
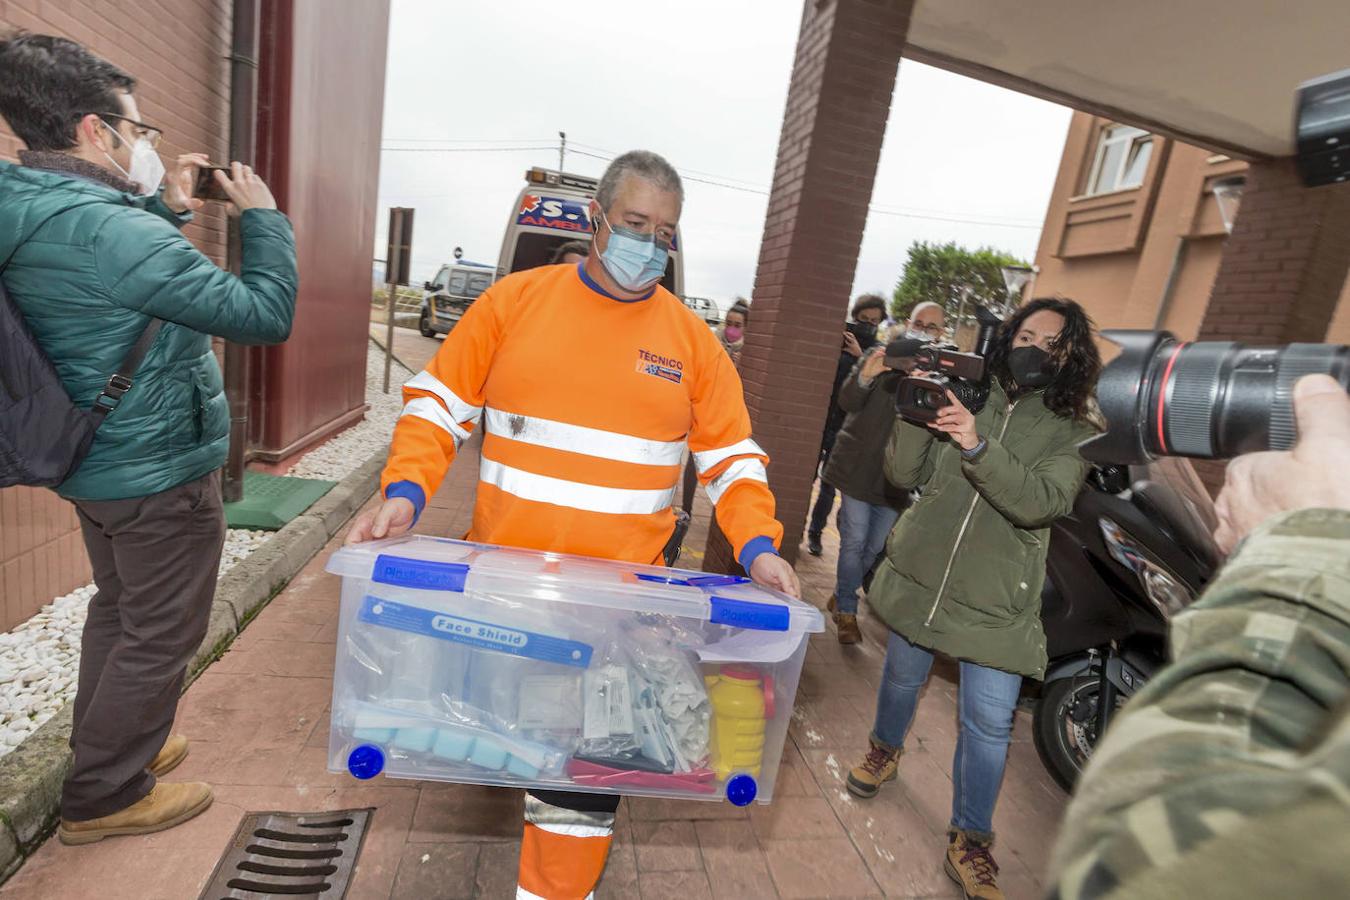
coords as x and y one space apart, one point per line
970 865
813 545
832 604
167 804
878 768
174 751
847 626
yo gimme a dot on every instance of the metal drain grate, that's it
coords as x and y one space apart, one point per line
291 855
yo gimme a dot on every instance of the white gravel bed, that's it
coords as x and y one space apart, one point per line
40 659
339 457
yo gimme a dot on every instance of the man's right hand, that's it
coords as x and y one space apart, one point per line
1258 486
245 189
874 365
390 519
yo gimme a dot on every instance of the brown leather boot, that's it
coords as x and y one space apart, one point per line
880 766
167 804
174 751
847 625
970 865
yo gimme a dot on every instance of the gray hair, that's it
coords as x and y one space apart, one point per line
644 164
927 304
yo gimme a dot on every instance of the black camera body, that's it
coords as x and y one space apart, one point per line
920 398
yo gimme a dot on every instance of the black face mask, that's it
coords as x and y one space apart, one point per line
1031 367
865 332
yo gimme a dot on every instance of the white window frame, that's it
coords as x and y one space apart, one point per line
1128 135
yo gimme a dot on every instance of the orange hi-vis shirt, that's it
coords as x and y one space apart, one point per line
588 403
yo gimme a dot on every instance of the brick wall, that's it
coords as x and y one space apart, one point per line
1284 268
1285 263
838 101
176 49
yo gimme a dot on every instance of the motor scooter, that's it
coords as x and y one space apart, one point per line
1135 551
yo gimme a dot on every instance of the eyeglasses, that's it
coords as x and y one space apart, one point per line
142 130
931 328
663 237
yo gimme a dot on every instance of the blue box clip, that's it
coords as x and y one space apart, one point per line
419 573
748 614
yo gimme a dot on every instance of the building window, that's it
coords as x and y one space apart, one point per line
1122 159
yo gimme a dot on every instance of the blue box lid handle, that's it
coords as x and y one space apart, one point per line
419 573
748 614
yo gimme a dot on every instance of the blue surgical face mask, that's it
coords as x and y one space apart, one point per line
635 261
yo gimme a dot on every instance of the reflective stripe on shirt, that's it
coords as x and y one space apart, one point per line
741 469
572 494
460 411
427 408
706 459
580 439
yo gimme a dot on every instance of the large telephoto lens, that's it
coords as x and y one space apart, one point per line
1208 400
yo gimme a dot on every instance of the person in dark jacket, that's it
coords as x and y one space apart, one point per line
859 336
965 565
89 227
869 504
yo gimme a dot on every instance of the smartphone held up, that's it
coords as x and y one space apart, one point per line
208 187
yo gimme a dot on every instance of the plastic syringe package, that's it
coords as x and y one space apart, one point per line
491 665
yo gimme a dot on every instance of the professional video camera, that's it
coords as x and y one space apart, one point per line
921 397
1210 400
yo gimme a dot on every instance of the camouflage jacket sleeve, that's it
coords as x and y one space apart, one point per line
1229 774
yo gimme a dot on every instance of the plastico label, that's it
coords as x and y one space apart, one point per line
474 633
748 614
419 573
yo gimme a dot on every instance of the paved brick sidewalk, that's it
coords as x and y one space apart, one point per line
258 721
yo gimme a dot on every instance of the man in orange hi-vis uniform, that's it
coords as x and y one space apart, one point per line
590 381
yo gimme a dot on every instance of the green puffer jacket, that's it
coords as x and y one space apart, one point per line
965 564
90 266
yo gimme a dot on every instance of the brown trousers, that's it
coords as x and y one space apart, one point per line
155 561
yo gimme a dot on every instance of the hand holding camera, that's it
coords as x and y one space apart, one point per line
1260 485
851 345
181 181
874 365
957 422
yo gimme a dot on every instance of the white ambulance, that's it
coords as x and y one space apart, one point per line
553 209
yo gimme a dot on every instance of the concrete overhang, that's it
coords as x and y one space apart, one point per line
1217 74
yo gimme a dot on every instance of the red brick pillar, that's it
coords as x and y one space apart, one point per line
838 101
1285 263
1283 268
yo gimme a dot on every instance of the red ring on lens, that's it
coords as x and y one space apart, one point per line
1162 396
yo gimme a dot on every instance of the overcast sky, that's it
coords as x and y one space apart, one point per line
704 84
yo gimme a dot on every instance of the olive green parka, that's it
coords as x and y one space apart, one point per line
965 564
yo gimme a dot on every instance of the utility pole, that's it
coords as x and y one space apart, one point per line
562 149
398 259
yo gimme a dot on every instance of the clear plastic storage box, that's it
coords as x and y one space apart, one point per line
494 665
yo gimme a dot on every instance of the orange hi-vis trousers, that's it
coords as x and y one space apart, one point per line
563 852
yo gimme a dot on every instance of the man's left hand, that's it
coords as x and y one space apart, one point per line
181 182
772 571
1258 486
957 421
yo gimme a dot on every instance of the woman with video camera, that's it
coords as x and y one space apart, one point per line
964 566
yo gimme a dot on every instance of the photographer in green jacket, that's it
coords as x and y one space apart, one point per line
965 564
92 255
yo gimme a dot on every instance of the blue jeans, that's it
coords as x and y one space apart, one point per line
863 528
987 700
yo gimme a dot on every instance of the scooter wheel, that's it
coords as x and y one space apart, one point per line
1063 742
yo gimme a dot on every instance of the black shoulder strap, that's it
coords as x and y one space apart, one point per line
120 383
